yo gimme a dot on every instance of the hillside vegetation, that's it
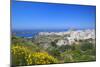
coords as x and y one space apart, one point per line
26 51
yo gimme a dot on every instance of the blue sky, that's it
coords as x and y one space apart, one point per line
35 15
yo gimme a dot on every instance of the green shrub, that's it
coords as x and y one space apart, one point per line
86 45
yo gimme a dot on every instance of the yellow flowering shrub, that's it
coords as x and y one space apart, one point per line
21 55
41 58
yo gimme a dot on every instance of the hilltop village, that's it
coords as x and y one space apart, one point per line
65 38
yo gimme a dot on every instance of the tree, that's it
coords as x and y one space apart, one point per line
53 44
